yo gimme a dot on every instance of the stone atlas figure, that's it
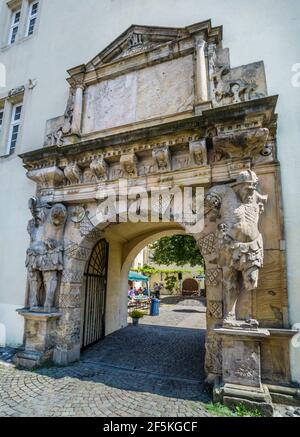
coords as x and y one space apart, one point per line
45 255
240 245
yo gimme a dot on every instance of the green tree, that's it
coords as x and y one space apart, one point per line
179 250
171 284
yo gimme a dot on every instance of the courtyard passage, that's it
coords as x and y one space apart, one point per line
152 370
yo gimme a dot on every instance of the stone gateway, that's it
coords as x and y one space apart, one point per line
162 108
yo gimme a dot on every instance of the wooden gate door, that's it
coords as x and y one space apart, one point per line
95 295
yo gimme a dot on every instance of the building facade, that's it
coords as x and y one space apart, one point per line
42 40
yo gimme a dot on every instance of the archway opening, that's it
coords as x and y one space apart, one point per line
170 344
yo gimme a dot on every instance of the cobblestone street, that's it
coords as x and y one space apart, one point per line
155 369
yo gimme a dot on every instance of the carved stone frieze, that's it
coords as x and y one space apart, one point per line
88 230
99 167
89 177
198 152
146 168
75 251
73 173
117 173
162 158
129 165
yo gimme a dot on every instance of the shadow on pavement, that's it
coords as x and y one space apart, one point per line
165 361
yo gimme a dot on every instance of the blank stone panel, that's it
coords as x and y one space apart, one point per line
156 91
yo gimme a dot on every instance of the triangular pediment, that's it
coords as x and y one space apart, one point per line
137 39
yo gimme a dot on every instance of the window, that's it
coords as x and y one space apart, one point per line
33 12
14 26
14 128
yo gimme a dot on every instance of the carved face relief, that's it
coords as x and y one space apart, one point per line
245 192
162 158
198 152
58 214
129 164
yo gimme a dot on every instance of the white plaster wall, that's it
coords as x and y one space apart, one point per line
71 32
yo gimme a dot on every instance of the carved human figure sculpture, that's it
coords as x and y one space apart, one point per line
237 209
45 255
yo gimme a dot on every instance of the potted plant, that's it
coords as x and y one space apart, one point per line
136 315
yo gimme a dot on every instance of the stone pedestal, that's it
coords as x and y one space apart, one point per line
241 369
40 332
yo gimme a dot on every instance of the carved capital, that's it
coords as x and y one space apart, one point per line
129 164
162 157
77 82
240 144
49 177
198 152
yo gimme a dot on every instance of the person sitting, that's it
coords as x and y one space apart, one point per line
131 293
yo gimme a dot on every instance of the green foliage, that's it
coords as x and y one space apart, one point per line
136 314
219 410
179 250
171 284
240 411
150 270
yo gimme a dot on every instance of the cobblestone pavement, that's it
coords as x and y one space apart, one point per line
151 370
6 355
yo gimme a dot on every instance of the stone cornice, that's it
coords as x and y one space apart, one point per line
237 113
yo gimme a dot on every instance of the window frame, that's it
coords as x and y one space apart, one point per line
14 25
32 17
13 124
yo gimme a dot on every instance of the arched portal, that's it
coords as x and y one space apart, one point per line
217 132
